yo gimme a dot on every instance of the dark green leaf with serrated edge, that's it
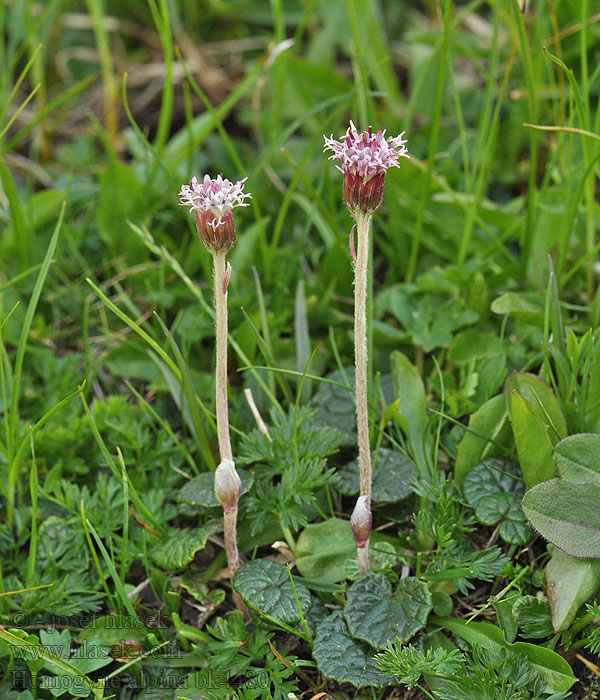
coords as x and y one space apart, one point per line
487 478
392 476
179 548
515 529
378 616
344 659
495 497
265 586
200 491
577 458
493 508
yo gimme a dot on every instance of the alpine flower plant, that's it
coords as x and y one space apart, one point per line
363 159
212 202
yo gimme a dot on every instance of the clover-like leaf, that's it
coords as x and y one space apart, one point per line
200 491
378 616
392 477
179 548
265 586
343 658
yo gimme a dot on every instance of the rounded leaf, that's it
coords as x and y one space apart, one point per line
265 586
343 658
378 616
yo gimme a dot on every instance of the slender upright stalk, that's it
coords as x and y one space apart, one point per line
364 159
221 278
212 202
360 351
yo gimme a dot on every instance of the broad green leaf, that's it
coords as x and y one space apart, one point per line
344 659
534 447
570 583
323 548
567 515
578 458
109 630
529 309
377 615
265 586
200 491
543 401
485 427
471 345
555 671
392 477
180 548
412 412
121 197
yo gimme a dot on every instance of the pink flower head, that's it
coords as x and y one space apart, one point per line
364 159
212 202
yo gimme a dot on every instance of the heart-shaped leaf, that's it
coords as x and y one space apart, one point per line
495 495
392 477
265 586
378 616
344 659
566 514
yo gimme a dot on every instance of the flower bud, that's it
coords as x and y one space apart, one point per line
361 521
228 486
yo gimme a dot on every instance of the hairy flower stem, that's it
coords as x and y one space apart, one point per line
360 351
231 493
364 565
221 280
